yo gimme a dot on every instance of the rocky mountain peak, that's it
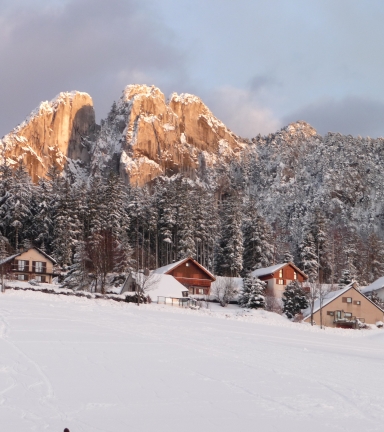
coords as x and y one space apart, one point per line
145 136
52 134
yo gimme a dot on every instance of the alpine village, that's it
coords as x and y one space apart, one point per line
162 203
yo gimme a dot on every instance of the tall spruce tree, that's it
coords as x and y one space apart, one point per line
258 248
308 257
229 261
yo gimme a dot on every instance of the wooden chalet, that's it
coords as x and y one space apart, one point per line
345 308
30 264
191 274
279 276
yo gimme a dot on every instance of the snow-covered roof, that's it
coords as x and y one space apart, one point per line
167 268
332 295
267 270
166 286
378 284
10 258
272 269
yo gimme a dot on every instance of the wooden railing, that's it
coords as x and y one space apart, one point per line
194 281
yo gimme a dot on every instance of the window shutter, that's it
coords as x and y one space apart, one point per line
344 299
26 268
26 277
44 267
33 266
42 278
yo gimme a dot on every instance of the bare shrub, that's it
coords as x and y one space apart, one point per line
224 291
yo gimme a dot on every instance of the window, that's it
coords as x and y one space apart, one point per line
294 275
330 313
280 281
347 315
349 299
21 277
22 265
38 267
187 265
346 299
358 302
338 314
200 291
40 278
281 273
185 293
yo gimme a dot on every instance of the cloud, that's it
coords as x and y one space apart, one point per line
239 111
354 115
88 45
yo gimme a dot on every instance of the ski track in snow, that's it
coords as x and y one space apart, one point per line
106 366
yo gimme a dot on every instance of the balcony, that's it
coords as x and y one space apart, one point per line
194 282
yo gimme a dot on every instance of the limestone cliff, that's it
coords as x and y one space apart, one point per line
53 134
144 136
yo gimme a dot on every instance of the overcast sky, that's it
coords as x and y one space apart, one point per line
257 64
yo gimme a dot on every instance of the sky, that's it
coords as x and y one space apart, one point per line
257 64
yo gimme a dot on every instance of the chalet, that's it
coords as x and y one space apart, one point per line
279 276
345 308
30 264
191 274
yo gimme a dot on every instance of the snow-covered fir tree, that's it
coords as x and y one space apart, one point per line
308 256
78 276
258 245
229 258
294 299
252 295
346 278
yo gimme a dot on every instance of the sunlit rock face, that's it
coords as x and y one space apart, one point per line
55 133
145 136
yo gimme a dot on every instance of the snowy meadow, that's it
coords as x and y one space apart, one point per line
97 365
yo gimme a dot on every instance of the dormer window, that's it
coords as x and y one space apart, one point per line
294 275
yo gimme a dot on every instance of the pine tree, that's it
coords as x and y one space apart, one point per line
185 222
252 295
288 257
229 260
346 278
66 225
308 257
319 231
258 248
17 209
77 277
294 299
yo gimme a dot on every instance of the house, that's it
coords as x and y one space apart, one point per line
345 308
30 264
377 287
279 276
191 274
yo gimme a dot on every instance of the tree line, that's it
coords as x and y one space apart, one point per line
98 224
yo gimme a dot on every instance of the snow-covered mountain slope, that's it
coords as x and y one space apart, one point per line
92 365
296 171
144 136
53 133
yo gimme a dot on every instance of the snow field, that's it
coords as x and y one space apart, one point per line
97 365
